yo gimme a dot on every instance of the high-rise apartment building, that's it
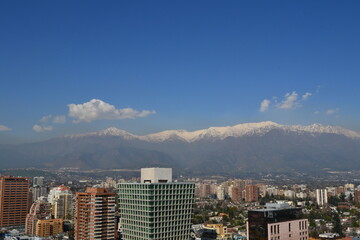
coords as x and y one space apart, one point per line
61 199
205 190
37 192
238 190
262 189
38 181
14 200
39 210
220 192
95 214
251 193
156 208
236 194
277 221
242 183
321 197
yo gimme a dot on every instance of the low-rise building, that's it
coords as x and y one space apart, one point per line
277 221
49 227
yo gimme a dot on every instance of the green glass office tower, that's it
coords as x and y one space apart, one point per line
156 209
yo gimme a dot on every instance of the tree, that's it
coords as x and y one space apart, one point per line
351 197
333 200
342 197
337 224
355 223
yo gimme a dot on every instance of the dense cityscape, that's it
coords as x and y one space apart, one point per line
156 205
179 120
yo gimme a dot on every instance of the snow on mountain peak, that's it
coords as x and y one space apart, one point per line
112 131
244 129
318 129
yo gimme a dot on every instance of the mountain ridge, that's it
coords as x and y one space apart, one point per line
221 133
231 150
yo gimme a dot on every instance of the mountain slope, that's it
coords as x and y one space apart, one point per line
239 130
264 146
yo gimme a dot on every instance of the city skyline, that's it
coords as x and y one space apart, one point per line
156 205
145 67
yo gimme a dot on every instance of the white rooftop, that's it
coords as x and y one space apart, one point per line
278 205
156 175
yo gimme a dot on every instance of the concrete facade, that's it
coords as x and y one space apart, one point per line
156 175
290 230
157 209
321 197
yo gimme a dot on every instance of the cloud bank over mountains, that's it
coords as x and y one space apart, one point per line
93 110
96 109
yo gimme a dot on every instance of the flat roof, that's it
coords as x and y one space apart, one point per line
273 209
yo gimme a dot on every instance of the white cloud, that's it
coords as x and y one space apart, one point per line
38 128
61 119
97 109
48 128
46 118
146 113
4 128
264 106
332 111
316 112
318 89
306 96
290 101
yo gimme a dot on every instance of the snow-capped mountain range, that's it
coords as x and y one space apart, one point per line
245 129
232 150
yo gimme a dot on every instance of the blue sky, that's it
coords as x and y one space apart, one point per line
175 65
